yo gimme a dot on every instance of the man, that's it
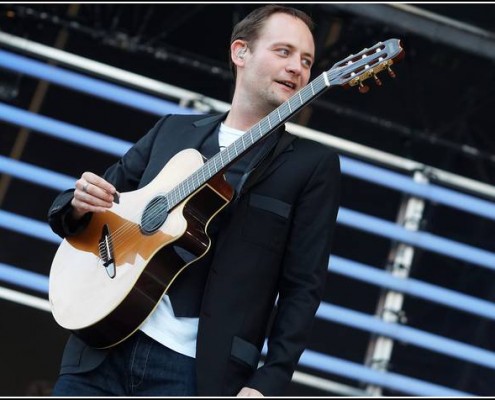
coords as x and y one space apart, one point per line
271 244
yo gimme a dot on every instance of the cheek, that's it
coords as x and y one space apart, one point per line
263 70
306 75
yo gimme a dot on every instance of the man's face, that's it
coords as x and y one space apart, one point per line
279 62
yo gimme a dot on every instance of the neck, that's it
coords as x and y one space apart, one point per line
244 113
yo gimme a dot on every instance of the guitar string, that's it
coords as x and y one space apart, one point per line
123 234
178 199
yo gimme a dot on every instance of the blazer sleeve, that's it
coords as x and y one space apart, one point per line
303 276
125 175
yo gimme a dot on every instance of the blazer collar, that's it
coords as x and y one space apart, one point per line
193 138
204 126
210 120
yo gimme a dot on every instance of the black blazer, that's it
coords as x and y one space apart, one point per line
276 243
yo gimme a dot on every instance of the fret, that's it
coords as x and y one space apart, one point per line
285 113
222 162
215 159
202 171
187 186
183 194
177 192
308 92
325 77
242 141
194 180
175 199
295 105
233 154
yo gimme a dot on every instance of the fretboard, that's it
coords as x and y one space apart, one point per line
235 150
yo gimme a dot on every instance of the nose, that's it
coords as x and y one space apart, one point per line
294 65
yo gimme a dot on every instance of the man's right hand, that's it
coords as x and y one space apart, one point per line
92 194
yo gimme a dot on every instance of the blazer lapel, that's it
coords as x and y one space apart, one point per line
190 135
274 164
277 162
203 128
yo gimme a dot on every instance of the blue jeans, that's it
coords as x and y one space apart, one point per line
140 366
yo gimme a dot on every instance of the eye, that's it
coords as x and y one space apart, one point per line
283 51
307 62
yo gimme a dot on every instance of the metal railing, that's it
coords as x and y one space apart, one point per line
470 196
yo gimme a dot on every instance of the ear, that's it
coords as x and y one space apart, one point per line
238 49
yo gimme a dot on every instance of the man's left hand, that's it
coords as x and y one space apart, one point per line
248 392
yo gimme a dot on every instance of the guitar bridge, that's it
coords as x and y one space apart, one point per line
106 251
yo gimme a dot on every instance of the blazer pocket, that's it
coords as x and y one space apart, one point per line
241 365
245 352
267 221
270 204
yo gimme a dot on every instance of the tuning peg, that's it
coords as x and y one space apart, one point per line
363 88
377 80
390 72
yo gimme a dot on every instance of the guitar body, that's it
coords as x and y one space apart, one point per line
104 305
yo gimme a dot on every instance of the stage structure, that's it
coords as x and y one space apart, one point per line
369 329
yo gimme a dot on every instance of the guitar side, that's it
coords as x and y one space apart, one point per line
105 310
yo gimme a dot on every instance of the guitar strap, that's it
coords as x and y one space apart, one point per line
275 144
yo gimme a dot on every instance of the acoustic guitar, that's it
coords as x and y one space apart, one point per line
105 281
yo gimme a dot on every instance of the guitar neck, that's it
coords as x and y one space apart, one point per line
263 128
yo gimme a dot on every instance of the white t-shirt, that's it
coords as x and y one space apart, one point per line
179 334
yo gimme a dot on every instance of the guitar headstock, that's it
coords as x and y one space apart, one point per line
355 69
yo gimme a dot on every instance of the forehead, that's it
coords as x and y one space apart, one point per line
285 28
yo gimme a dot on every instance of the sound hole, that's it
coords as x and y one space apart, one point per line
154 215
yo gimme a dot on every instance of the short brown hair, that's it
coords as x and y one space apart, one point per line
249 28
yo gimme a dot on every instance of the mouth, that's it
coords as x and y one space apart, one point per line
288 84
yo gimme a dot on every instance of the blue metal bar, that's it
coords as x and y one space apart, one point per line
389 380
157 106
37 175
27 226
407 334
420 239
412 287
309 358
117 147
399 182
64 131
325 311
383 177
337 264
91 86
381 227
24 278
342 266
